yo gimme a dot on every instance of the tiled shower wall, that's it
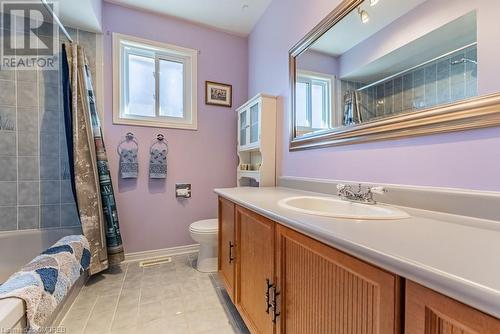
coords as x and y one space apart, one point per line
35 188
436 83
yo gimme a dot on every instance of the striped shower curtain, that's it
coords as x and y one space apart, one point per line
93 187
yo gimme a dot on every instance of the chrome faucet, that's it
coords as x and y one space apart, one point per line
346 192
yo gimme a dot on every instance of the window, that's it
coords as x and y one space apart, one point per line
155 84
313 101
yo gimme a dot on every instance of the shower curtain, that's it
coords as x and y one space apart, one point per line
94 191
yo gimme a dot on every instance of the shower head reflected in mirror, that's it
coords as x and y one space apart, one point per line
463 61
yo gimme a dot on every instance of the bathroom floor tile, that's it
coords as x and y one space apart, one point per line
205 320
168 298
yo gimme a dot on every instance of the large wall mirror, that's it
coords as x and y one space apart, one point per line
379 69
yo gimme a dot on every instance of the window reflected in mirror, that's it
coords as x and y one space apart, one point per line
314 107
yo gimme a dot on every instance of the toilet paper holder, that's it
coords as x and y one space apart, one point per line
183 190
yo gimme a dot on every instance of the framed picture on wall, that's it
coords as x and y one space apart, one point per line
218 94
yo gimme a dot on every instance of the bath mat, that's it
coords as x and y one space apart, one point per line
44 282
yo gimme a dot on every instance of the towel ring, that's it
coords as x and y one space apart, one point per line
159 141
129 138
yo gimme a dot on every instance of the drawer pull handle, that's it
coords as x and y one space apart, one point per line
231 258
269 285
274 304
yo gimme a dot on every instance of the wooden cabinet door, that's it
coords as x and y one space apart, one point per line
428 312
227 245
324 290
255 265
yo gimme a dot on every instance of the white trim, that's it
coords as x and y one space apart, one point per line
99 77
145 255
191 55
12 314
323 76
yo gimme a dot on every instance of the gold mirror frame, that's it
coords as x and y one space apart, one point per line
480 112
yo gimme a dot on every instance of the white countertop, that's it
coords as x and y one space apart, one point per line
457 256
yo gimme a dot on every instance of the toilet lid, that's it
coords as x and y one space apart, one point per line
205 226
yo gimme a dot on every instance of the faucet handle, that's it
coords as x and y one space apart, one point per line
341 186
378 190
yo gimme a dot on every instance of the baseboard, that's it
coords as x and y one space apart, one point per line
140 256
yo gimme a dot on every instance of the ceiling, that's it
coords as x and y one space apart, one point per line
450 37
82 14
350 31
228 15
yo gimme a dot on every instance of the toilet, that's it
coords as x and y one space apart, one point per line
205 232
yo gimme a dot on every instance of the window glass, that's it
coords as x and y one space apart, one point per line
243 128
254 126
141 86
171 89
301 104
318 106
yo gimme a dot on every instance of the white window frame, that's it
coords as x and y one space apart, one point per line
309 77
161 51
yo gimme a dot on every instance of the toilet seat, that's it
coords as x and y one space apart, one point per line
208 226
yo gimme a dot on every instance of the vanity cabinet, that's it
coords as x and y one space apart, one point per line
429 312
255 269
323 290
286 282
227 245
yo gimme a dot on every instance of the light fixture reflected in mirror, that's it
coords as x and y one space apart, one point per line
363 14
373 2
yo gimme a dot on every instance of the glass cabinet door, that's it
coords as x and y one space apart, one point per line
254 123
243 128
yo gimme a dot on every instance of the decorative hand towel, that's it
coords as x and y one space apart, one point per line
46 280
127 150
129 165
158 159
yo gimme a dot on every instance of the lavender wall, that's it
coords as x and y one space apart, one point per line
150 215
314 61
462 160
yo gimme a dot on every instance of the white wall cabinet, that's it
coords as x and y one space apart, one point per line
257 142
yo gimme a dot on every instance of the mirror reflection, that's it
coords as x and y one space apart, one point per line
378 62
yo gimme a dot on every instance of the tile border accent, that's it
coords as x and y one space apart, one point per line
463 202
145 255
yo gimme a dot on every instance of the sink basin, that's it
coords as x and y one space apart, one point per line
332 207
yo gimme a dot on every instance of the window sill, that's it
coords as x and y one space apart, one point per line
156 124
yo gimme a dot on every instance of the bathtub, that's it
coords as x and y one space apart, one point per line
16 249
